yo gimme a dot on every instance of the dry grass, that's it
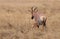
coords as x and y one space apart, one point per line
16 23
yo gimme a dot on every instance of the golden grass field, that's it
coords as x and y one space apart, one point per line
16 22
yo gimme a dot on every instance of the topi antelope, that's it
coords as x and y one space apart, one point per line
39 18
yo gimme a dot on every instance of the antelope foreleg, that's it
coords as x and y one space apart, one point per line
36 25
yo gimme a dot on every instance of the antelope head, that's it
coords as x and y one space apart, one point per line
33 10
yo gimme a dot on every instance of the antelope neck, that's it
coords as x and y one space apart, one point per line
36 16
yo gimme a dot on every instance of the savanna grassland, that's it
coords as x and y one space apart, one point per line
16 23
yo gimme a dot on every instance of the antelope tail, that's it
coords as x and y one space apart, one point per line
44 21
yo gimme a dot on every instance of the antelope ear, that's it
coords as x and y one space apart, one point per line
29 10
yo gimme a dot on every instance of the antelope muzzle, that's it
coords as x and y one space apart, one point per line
32 17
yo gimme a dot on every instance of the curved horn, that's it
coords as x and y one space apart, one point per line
35 9
31 7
